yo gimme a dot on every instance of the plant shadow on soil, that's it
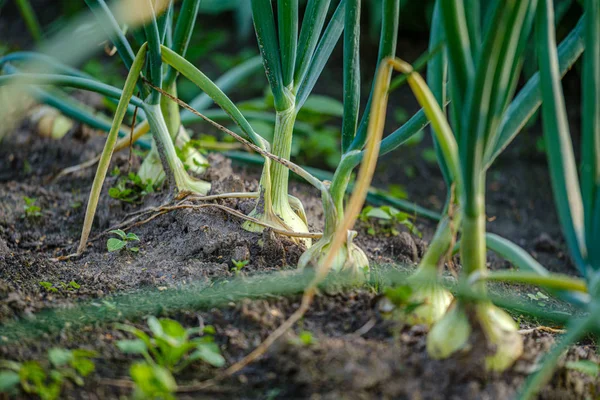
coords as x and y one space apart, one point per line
356 353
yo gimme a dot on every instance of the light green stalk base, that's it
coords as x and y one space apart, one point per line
434 299
152 170
273 206
350 258
451 333
177 174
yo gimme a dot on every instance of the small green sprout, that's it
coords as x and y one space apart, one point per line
305 338
130 188
52 288
49 286
32 211
152 381
401 298
170 345
429 156
539 297
387 218
238 265
46 379
117 244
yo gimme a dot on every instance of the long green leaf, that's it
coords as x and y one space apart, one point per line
65 80
312 25
164 22
326 45
590 128
110 25
507 72
287 13
501 104
459 48
225 82
529 98
514 254
563 169
351 73
31 20
414 125
387 48
437 73
104 163
43 62
183 33
473 18
154 58
211 89
264 25
477 106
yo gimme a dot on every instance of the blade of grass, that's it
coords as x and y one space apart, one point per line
563 170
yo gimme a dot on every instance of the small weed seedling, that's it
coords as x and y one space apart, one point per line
131 188
238 265
387 219
52 288
539 297
32 211
64 365
304 338
169 350
120 243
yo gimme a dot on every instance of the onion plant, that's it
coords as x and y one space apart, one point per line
160 117
577 196
294 56
483 61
